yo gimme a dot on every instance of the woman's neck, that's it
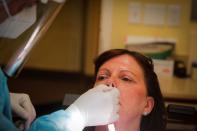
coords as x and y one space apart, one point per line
127 127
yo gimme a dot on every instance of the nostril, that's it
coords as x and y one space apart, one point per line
111 84
107 84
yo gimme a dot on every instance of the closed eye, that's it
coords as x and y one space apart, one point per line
101 77
126 79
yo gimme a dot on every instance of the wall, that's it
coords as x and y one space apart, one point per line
60 48
71 44
120 28
91 34
193 45
193 40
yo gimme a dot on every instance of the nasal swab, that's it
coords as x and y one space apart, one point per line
111 127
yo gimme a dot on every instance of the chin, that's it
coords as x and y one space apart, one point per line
122 119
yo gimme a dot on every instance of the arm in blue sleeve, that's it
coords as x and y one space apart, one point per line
57 121
6 124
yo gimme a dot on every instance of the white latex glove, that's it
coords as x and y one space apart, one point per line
22 106
58 1
98 106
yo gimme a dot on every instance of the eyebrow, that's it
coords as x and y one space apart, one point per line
122 70
104 69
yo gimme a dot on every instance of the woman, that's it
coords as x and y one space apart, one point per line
141 102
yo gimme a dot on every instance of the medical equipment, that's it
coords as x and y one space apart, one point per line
17 22
6 7
111 127
18 59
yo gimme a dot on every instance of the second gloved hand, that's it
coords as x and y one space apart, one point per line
98 106
22 106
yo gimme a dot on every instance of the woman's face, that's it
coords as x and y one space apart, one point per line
125 73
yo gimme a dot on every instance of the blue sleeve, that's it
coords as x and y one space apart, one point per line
57 121
6 123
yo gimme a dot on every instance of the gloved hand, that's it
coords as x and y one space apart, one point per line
98 106
21 105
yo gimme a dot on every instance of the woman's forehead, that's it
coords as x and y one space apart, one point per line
122 59
122 62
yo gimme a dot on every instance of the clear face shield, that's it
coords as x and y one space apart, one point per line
21 32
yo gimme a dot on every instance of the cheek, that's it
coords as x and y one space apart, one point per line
132 101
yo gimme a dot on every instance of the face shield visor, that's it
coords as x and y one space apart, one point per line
17 38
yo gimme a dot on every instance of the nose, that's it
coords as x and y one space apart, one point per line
110 83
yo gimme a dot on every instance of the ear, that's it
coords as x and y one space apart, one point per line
149 105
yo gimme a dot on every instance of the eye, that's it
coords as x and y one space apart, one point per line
101 77
126 79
